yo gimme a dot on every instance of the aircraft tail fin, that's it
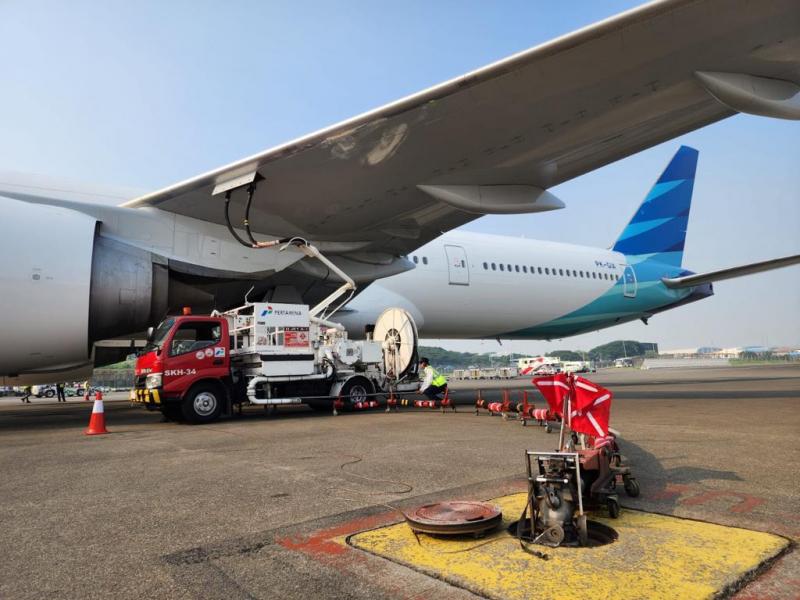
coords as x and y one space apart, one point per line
658 229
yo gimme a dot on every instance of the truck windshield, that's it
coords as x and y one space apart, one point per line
158 336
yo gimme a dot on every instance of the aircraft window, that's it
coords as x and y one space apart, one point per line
574 273
532 270
580 273
509 268
494 267
594 275
540 270
502 267
415 259
463 266
546 271
516 268
424 260
524 269
560 272
485 266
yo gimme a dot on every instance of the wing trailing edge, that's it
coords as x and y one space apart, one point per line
702 278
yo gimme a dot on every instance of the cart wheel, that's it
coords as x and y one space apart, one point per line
631 487
613 508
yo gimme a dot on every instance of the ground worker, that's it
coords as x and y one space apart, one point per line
87 390
434 382
60 392
27 396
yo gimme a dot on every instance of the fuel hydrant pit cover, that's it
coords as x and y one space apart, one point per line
454 518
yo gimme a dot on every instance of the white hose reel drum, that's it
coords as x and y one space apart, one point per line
397 332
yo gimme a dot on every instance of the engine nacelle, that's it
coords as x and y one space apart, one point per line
67 287
45 281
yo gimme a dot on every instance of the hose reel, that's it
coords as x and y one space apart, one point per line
396 330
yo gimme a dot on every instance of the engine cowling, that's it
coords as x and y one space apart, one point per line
67 287
45 282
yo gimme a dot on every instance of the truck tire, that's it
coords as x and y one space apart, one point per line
172 411
356 389
203 403
49 393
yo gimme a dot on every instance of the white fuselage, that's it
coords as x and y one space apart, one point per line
477 285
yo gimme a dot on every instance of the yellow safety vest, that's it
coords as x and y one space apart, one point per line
438 379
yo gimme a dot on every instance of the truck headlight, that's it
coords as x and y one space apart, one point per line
153 381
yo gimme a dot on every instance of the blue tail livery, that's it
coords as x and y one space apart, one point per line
658 229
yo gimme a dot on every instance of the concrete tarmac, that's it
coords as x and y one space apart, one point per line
257 507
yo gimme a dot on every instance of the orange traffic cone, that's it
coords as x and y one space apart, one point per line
97 423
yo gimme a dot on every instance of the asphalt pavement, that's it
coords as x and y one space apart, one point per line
261 507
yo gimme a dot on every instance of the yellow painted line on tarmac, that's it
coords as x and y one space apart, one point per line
656 556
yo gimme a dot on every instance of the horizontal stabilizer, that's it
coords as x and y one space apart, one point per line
701 278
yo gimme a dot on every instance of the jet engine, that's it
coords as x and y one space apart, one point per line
67 286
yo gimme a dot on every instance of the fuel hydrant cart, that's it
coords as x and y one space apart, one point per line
582 473
555 499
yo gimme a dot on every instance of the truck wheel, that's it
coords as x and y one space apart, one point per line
357 389
203 404
172 412
49 394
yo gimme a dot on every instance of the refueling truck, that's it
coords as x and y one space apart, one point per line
199 368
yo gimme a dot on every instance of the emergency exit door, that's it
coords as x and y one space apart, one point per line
629 282
457 266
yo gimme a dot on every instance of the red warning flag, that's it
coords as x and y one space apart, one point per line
554 389
591 408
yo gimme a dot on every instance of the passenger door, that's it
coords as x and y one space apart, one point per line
628 282
457 265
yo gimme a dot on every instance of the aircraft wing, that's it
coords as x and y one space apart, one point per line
701 278
494 140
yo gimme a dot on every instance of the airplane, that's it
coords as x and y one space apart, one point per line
371 191
533 289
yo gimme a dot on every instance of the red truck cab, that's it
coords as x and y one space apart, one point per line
184 370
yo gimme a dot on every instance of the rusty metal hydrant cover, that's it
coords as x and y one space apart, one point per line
456 517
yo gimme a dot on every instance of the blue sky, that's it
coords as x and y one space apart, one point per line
145 94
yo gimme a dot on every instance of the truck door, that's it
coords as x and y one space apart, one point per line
457 266
195 351
628 282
